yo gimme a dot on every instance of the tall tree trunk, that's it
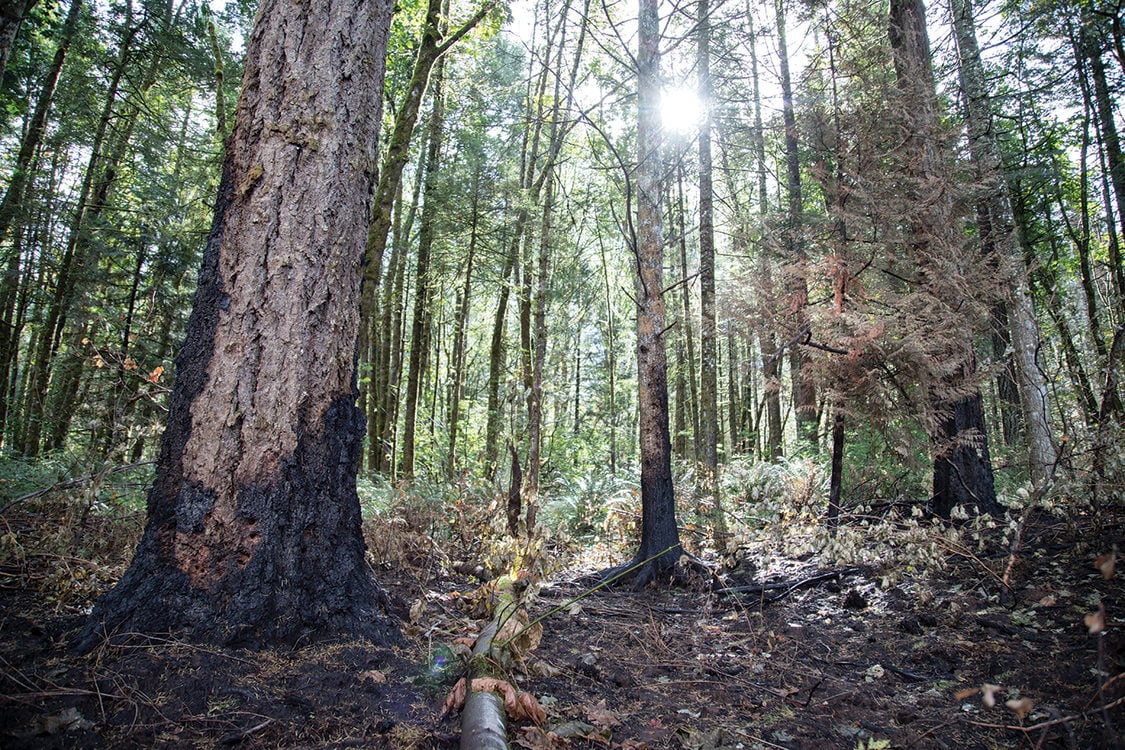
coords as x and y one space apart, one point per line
1103 100
611 360
687 366
253 532
996 231
708 344
12 14
423 297
33 133
496 366
804 388
460 332
660 538
767 344
962 466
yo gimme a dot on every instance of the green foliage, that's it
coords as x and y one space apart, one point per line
589 507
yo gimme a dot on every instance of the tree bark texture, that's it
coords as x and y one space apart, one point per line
962 465
253 532
997 237
658 502
12 13
804 387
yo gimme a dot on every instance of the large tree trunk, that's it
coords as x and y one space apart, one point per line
962 466
253 532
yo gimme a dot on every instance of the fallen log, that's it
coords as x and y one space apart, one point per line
488 697
484 724
785 588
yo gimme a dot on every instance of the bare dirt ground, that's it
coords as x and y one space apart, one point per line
787 656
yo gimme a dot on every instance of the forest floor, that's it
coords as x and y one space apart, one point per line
800 657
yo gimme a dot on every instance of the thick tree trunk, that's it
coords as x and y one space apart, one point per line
962 466
253 532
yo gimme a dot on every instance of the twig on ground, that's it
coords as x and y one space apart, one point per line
235 737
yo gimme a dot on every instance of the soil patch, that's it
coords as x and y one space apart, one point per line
839 662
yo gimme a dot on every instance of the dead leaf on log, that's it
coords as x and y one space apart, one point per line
520 706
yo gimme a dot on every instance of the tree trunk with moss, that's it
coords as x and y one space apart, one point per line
253 532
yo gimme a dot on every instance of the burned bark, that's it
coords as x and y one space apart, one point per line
253 532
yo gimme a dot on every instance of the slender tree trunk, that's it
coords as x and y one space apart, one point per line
253 532
33 133
660 539
1103 101
687 367
767 344
496 365
708 343
460 332
611 363
804 388
997 238
12 14
423 298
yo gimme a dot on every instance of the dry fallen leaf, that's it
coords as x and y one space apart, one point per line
1107 563
535 738
602 717
1095 621
416 610
1021 706
528 709
632 744
374 675
465 641
456 698
961 695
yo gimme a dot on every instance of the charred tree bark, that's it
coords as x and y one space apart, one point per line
253 532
